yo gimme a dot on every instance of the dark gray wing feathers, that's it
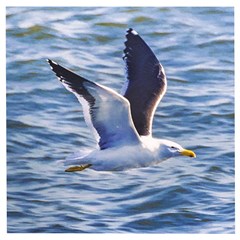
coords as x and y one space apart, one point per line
146 81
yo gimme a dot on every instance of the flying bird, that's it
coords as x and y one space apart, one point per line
122 123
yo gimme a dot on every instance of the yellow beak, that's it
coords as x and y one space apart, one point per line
188 153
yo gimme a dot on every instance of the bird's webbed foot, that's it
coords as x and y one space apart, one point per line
78 168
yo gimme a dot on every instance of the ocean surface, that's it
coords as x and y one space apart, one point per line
45 122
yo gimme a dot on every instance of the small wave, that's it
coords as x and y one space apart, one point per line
111 24
38 32
16 124
221 40
142 19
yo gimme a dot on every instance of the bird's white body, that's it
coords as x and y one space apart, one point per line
150 152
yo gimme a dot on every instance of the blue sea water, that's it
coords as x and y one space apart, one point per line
45 122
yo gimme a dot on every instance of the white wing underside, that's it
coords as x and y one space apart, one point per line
106 112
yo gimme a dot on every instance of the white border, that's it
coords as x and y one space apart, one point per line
237 115
3 180
144 3
102 3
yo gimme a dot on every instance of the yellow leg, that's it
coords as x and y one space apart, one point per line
78 168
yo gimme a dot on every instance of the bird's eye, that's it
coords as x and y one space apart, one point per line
172 147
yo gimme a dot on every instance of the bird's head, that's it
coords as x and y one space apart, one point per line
170 149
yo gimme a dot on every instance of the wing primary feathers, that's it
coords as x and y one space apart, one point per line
99 103
146 81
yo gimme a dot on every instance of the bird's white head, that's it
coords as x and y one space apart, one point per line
168 149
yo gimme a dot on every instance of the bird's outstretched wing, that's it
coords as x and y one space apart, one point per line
106 112
146 81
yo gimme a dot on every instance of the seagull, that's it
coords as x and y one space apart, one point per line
122 123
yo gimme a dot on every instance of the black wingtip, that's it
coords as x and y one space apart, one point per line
49 60
131 31
52 63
